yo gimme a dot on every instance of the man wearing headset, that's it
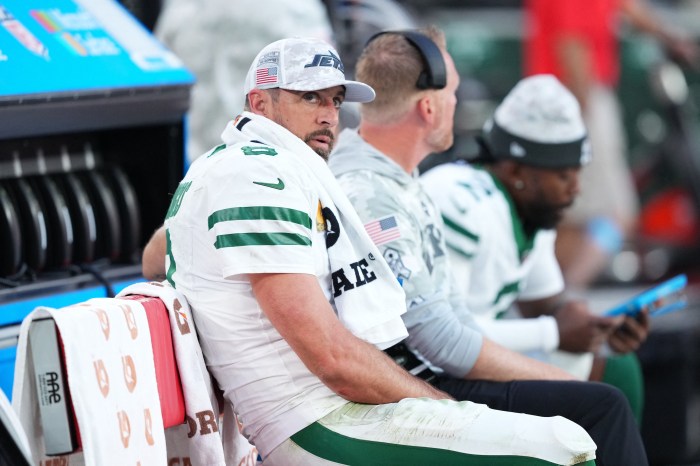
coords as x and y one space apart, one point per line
411 117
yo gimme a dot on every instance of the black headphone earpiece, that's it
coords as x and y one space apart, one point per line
434 74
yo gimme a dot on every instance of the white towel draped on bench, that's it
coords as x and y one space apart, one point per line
102 337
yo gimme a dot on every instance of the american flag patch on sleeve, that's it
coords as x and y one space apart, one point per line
383 230
266 75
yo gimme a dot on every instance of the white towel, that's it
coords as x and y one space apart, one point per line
110 372
371 312
198 439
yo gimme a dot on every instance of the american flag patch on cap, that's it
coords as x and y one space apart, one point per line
383 230
266 76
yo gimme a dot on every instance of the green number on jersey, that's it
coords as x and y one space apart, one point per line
258 150
177 198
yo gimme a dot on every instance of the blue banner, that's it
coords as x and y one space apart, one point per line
64 46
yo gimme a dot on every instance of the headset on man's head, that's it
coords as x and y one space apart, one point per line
434 74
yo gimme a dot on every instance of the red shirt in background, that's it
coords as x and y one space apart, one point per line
592 21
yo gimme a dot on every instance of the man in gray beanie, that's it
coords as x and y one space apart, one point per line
500 215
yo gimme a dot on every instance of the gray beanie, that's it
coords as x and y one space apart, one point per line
539 123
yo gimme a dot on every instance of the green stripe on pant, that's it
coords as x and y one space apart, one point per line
332 446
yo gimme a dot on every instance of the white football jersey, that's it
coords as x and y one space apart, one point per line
493 262
242 209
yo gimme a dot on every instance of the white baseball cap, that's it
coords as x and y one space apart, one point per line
303 64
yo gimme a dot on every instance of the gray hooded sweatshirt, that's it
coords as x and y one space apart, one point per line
407 227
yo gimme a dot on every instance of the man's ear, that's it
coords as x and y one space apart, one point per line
259 101
513 175
426 108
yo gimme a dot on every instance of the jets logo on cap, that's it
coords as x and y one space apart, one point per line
330 60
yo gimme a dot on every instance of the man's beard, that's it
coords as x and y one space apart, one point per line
322 152
541 216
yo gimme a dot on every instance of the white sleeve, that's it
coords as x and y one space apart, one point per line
544 278
523 335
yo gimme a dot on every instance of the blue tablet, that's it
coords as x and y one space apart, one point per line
663 298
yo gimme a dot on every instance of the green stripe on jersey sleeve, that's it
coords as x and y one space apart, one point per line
234 240
454 226
281 214
460 251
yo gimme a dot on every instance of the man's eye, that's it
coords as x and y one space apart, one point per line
310 97
337 102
